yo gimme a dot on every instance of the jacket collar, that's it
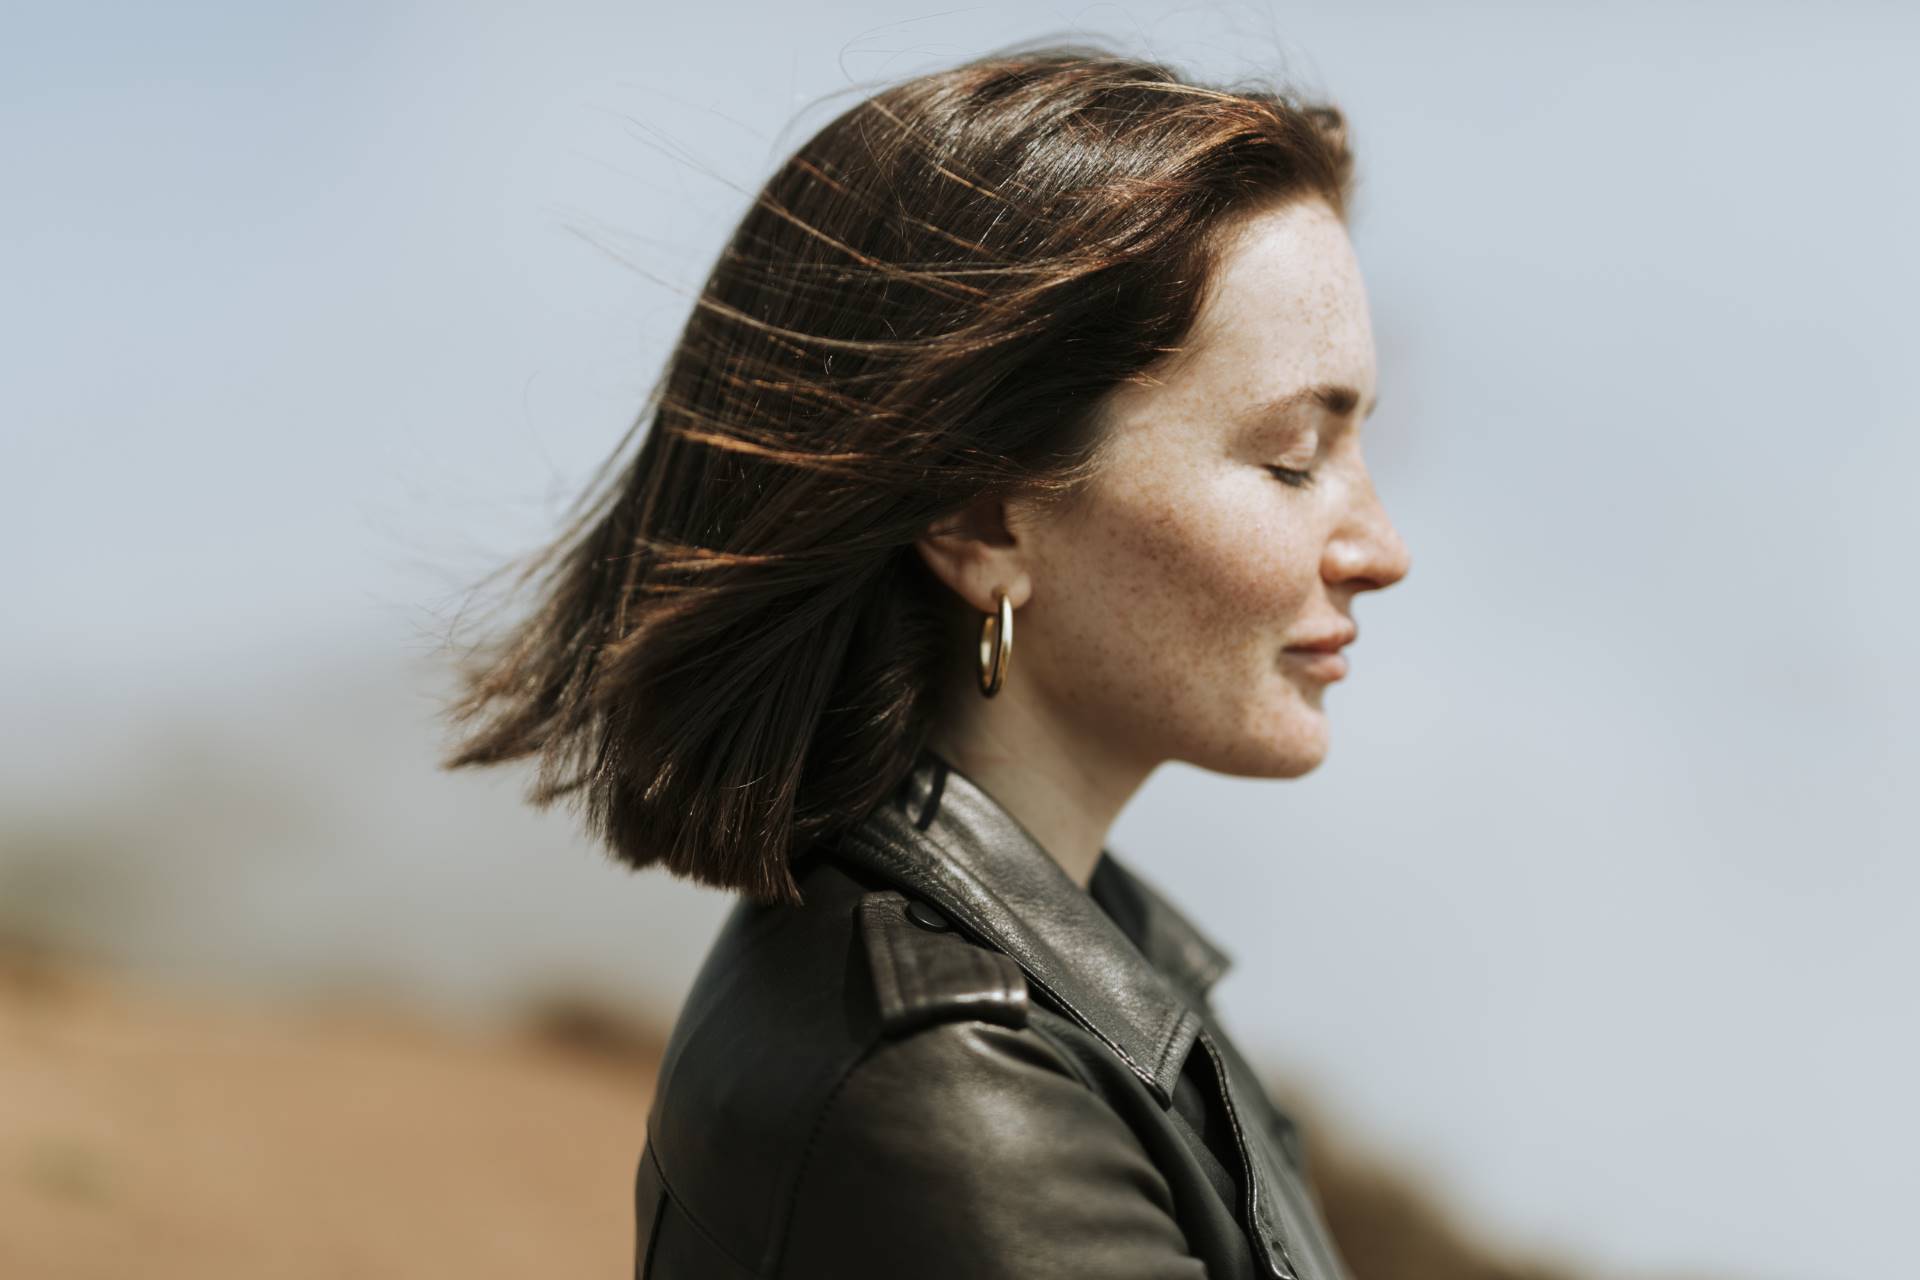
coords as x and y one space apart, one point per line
941 835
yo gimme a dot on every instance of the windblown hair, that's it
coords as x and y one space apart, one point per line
735 652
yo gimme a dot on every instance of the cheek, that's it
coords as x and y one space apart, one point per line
1182 581
1227 556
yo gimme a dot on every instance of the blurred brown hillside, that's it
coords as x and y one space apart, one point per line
143 1132
278 999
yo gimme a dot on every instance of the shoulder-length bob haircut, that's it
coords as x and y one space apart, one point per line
734 651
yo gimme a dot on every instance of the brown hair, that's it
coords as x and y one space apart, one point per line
735 651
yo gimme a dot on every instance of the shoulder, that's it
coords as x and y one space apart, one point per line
973 1148
968 1138
858 1036
924 971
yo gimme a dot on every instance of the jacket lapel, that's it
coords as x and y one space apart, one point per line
942 836
1170 941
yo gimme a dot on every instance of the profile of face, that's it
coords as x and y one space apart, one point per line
1234 518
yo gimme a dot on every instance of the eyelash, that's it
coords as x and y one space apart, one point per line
1290 476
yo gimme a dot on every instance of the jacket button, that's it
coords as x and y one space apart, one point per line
926 917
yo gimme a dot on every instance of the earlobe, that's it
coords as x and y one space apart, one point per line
1018 586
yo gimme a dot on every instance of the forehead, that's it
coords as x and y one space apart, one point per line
1287 294
1286 308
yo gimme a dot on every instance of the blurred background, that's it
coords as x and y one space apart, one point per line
1588 952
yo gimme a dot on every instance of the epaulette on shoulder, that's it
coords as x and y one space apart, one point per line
925 970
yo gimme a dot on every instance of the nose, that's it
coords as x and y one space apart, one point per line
1365 553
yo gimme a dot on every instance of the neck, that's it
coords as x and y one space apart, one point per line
1064 792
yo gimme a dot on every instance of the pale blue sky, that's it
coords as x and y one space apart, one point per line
1603 906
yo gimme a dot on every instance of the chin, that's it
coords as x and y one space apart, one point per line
1291 751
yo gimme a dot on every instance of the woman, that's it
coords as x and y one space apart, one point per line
1053 335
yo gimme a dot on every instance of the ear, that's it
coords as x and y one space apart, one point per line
974 551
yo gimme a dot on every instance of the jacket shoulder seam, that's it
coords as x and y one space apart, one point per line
686 1211
777 1254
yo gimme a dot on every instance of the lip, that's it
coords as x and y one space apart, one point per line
1330 641
1324 666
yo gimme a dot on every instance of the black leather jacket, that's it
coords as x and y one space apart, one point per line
953 1061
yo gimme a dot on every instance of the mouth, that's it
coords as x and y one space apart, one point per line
1321 665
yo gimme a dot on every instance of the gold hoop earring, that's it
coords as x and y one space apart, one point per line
996 646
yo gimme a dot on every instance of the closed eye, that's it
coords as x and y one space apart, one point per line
1292 476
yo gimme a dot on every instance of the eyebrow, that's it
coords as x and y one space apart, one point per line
1335 397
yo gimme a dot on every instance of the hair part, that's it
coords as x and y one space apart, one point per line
733 651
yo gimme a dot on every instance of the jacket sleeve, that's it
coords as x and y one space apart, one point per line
970 1149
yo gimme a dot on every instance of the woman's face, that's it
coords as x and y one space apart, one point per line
1235 518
